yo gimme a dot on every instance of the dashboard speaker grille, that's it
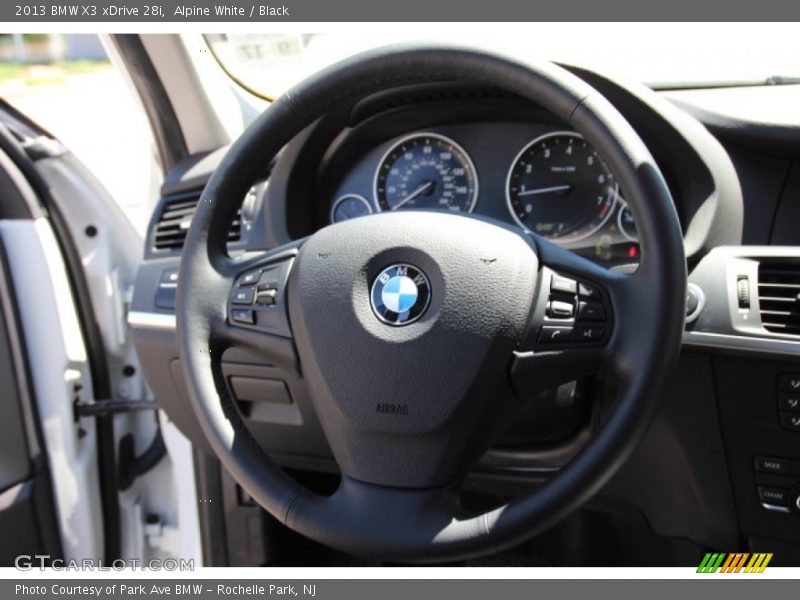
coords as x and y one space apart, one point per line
176 218
779 296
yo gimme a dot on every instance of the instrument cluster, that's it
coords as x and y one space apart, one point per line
547 181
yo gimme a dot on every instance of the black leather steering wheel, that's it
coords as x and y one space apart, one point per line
408 409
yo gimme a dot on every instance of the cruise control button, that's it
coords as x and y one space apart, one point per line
564 285
250 278
243 315
244 295
773 495
587 334
555 335
789 382
789 402
591 311
790 420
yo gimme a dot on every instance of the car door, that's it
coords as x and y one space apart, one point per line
67 257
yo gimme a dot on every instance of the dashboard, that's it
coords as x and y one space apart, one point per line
534 176
481 152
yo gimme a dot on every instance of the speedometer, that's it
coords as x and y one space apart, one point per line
426 171
559 187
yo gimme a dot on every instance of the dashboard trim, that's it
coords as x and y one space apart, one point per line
724 341
151 320
698 339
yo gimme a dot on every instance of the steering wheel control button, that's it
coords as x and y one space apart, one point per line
243 315
555 335
588 292
789 382
244 295
266 298
591 311
777 466
400 294
564 285
262 290
270 279
249 278
587 334
790 421
773 495
557 309
789 402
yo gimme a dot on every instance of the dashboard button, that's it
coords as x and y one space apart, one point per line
775 466
244 295
243 315
565 285
773 495
789 402
165 297
743 291
555 335
587 334
789 382
790 420
169 276
591 311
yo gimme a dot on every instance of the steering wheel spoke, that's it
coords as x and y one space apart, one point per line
572 328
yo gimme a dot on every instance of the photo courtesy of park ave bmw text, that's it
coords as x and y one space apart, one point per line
350 299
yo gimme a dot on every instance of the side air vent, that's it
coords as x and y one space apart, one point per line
779 296
176 218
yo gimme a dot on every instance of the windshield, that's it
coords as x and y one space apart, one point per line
661 55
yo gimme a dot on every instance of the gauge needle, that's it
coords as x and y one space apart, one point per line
545 190
416 193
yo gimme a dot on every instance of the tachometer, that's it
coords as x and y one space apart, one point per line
559 187
426 171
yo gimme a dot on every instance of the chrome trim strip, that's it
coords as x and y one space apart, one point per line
741 342
149 320
776 508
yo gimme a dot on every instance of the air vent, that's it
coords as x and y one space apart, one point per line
176 217
779 296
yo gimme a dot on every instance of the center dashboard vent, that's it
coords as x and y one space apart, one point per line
176 218
779 296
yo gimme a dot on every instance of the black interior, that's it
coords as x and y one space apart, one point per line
696 481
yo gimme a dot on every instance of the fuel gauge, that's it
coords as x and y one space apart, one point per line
350 206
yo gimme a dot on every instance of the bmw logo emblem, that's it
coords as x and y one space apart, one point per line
400 294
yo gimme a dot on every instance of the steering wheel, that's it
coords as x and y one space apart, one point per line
410 328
